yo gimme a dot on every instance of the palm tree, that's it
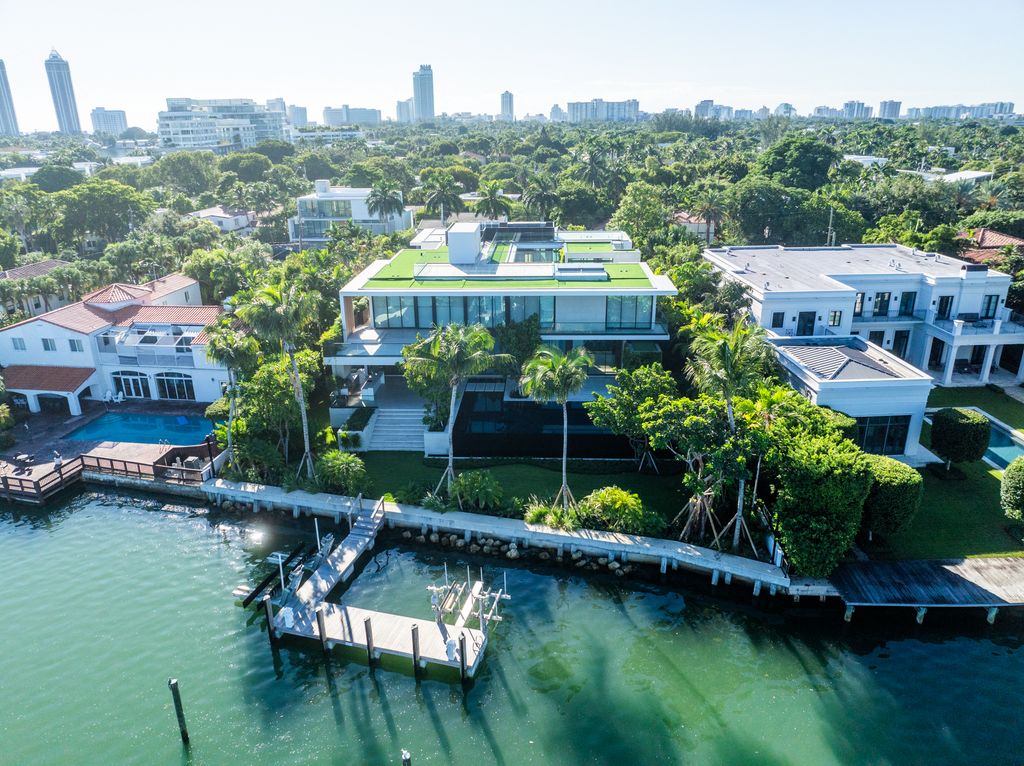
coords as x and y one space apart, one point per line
454 353
442 192
492 203
710 206
767 405
992 194
540 197
551 375
278 314
728 363
384 201
233 349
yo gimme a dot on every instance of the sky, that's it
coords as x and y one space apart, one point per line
317 53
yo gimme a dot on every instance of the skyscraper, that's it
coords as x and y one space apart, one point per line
508 112
889 110
423 93
297 116
112 122
8 122
405 110
59 74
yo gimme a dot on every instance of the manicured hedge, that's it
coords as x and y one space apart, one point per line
894 497
823 484
1011 492
959 435
843 423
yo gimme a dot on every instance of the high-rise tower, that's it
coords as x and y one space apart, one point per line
423 93
59 74
508 112
8 122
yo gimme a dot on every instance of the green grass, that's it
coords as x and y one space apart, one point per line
589 247
958 518
995 403
390 471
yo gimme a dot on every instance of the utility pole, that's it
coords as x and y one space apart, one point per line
830 237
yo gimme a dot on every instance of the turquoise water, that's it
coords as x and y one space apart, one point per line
144 428
107 596
1002 447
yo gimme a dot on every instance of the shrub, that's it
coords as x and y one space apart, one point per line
823 482
959 435
894 497
7 439
327 438
219 410
6 418
616 510
341 472
357 420
843 423
1011 491
478 489
540 512
349 439
413 493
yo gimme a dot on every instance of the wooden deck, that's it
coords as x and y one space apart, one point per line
982 582
338 566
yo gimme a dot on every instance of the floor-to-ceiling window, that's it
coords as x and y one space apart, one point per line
132 384
883 435
175 385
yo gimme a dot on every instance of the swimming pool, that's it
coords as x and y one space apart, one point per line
144 428
1002 446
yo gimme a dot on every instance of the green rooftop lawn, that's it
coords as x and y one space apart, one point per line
500 252
589 247
958 518
995 403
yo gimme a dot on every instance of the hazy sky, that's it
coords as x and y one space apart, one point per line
133 55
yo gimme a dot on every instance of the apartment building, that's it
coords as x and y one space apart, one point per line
327 205
140 341
598 110
221 125
586 287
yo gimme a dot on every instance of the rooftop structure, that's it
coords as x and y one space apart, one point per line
140 341
938 312
328 205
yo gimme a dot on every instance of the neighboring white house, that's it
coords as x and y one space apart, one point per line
227 220
32 304
699 227
584 286
143 341
328 205
884 394
936 312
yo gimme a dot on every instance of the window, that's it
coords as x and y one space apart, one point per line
134 385
886 435
18 344
877 337
628 312
394 311
37 302
881 304
835 318
900 341
175 385
858 305
186 296
945 307
49 344
989 306
76 345
907 303
778 319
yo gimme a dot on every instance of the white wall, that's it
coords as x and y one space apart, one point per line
33 334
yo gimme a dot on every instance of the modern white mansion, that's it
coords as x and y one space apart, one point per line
586 287
927 311
140 341
328 205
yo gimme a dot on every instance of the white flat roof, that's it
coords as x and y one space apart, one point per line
814 269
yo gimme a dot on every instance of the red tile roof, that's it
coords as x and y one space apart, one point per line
29 270
989 238
116 293
683 216
23 377
185 315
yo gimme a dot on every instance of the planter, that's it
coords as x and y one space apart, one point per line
435 443
340 415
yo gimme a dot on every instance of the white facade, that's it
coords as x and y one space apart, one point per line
938 313
328 205
886 396
350 115
228 221
598 110
508 111
112 122
218 124
142 341
423 94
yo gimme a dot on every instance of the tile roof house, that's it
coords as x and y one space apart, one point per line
140 341
28 302
986 244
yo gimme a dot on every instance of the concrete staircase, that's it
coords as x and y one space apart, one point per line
398 430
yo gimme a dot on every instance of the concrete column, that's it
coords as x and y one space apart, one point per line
154 394
33 402
74 406
1020 370
947 372
986 363
923 359
998 358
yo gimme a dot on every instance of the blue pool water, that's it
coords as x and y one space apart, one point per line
144 428
1002 447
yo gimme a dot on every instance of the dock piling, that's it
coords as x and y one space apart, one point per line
321 624
415 650
368 628
462 655
172 684
991 614
406 758
268 609
921 612
714 577
757 588
849 614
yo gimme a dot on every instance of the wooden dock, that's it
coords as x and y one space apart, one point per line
982 582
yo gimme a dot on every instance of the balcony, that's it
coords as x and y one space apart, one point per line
655 329
1006 322
150 349
917 316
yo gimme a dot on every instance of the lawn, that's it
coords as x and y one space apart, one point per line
995 403
958 518
390 471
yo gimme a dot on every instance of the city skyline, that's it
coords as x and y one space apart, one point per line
658 73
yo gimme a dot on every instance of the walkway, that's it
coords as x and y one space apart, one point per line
981 582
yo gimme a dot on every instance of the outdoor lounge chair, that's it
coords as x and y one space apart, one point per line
119 398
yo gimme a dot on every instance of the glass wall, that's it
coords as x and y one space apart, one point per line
628 312
423 312
885 435
175 385
325 208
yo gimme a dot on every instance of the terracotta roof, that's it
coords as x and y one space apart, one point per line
116 293
79 317
23 377
185 315
29 270
683 216
985 239
166 285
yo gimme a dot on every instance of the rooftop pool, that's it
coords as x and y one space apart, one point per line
144 428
